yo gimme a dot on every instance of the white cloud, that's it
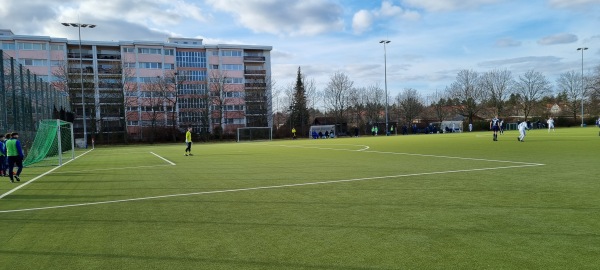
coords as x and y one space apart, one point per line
293 18
562 38
507 42
447 5
362 21
572 3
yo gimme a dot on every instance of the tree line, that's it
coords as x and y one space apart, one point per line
476 96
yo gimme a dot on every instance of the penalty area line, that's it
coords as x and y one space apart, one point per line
168 161
41 175
265 187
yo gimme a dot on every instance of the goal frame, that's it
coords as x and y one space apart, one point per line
270 129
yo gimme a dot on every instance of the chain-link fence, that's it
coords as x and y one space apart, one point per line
25 99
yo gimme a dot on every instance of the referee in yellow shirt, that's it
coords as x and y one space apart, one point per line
188 142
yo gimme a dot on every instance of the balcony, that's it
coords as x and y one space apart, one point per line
83 55
109 57
255 85
254 58
89 70
255 72
109 71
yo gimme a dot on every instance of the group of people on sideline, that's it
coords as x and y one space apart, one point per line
321 135
11 155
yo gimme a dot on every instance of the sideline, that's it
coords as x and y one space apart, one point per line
168 161
264 187
41 175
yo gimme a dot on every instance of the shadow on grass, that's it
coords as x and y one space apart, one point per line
229 263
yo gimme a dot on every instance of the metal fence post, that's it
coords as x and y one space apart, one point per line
14 90
4 125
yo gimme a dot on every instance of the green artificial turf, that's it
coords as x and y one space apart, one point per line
444 201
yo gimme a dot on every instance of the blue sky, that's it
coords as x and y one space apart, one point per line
430 39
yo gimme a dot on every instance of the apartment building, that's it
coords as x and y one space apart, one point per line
140 87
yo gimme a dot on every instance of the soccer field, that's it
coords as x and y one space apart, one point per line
447 201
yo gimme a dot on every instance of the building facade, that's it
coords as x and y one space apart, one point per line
144 89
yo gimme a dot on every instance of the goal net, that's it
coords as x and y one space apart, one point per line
53 144
254 134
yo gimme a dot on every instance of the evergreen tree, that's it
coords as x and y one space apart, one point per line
299 112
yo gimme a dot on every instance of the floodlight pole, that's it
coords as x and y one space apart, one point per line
384 42
79 25
582 83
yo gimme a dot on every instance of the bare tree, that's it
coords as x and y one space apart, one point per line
531 87
410 104
441 108
468 93
310 89
355 102
569 84
166 92
217 87
68 77
373 100
497 85
336 95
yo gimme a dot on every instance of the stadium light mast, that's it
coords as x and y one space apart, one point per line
79 26
384 42
582 82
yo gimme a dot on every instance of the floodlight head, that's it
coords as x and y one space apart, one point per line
384 41
580 49
75 24
91 25
65 24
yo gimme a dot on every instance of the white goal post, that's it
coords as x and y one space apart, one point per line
254 134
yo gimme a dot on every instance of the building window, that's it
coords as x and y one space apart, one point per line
231 53
128 50
169 52
35 62
227 80
215 53
192 89
8 46
150 65
191 59
232 67
56 63
196 75
169 66
57 47
149 51
32 46
129 65
214 66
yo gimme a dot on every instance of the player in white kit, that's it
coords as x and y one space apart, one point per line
550 124
522 127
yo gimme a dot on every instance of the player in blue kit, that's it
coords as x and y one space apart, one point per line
495 127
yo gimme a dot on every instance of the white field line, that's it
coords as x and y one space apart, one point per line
364 147
40 176
411 154
113 169
262 188
168 161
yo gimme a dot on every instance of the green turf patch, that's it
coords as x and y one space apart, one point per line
427 201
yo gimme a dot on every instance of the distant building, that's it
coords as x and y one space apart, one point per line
132 85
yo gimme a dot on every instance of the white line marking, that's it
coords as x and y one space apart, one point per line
40 176
364 147
168 161
409 154
112 169
263 187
